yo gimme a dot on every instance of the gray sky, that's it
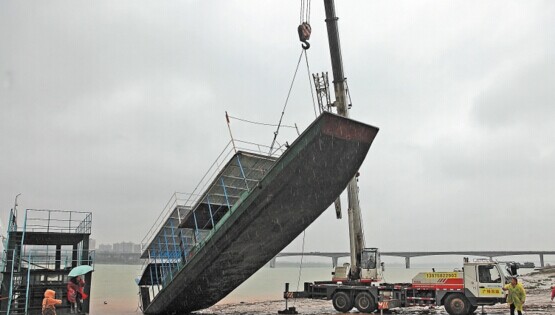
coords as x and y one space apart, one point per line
112 106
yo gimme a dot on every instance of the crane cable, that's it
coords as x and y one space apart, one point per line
304 28
310 84
300 267
285 105
305 5
304 12
304 31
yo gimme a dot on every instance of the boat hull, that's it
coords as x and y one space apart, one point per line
303 183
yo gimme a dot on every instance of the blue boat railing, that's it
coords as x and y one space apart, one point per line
169 248
187 200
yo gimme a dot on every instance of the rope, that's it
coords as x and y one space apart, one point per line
310 84
300 267
348 93
259 123
286 101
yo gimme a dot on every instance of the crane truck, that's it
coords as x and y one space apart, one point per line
460 291
358 284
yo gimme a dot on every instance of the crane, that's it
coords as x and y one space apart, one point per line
365 262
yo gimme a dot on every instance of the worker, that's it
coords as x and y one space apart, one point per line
552 292
516 295
49 302
76 294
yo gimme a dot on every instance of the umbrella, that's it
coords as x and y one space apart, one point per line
80 270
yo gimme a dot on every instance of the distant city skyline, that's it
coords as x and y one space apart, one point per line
119 247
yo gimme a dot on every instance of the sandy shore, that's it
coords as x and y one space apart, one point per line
537 285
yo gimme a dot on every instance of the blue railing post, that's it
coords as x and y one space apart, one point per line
225 194
162 266
11 282
156 269
28 284
22 240
196 229
242 172
168 255
210 210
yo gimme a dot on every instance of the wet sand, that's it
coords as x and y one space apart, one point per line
537 285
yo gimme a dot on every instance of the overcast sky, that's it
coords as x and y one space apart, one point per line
111 106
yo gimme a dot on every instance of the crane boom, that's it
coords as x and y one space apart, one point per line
356 235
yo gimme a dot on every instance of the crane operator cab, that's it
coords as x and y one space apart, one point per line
369 270
370 265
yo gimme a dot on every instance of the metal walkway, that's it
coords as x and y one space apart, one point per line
252 209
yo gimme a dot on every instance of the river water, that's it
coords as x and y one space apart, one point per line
114 290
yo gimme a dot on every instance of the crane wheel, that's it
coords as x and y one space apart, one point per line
365 303
342 302
457 304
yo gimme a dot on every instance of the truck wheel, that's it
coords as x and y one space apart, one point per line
342 302
472 309
457 304
365 303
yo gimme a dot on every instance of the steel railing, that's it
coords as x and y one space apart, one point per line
188 200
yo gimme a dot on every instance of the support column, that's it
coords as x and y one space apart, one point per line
58 260
334 261
85 260
407 262
541 261
273 263
74 254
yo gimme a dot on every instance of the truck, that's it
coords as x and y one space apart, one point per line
478 283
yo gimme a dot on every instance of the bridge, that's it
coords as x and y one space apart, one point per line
408 255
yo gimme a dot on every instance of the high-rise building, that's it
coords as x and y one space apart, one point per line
105 248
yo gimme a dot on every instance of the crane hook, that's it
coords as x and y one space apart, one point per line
304 31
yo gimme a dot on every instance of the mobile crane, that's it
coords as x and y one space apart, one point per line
365 262
355 284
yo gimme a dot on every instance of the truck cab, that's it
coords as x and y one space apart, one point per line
484 280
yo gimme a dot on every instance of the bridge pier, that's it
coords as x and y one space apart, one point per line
273 263
407 262
334 261
541 261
